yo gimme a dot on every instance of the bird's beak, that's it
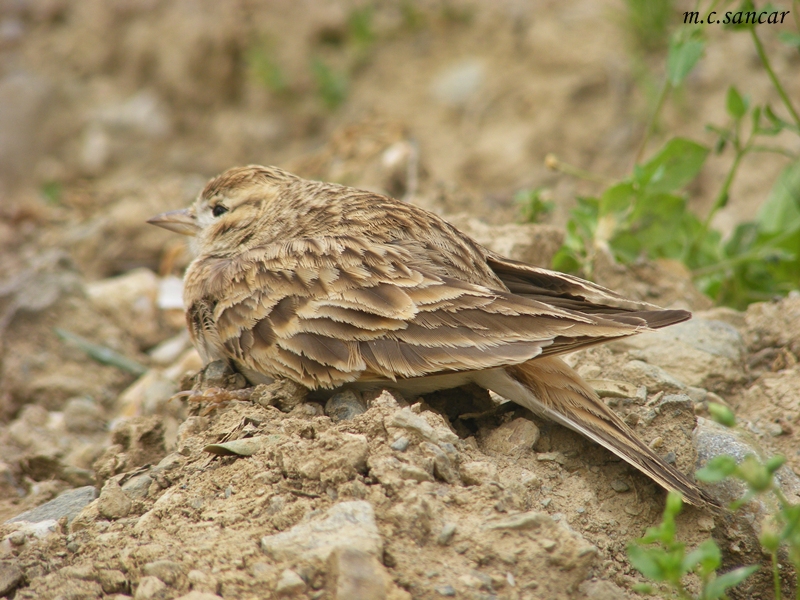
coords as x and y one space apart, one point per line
180 221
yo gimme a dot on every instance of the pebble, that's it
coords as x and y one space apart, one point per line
112 581
10 577
201 581
344 406
653 377
513 438
445 590
406 419
67 504
359 575
138 486
400 444
446 534
290 583
113 503
82 415
170 572
344 525
478 472
620 486
150 588
442 466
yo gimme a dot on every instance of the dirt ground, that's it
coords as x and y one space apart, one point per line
113 112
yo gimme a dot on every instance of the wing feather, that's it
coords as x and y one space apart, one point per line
326 311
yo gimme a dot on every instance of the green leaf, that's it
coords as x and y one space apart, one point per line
775 463
790 38
756 475
777 123
717 469
735 104
781 211
618 198
675 165
645 560
707 556
722 414
717 587
331 85
684 52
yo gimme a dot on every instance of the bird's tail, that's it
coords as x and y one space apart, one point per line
550 388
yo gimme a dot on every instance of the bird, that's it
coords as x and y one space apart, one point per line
335 287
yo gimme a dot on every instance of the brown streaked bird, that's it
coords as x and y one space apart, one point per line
332 286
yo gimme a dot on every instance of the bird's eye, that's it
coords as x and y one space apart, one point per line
219 210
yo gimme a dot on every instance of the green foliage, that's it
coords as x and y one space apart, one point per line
532 206
359 27
51 192
331 84
669 562
263 67
646 214
649 21
722 414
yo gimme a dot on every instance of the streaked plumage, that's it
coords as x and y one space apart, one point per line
329 286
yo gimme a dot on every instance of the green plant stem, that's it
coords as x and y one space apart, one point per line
724 191
774 150
758 254
776 576
651 123
765 61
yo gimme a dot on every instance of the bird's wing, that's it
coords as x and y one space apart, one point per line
326 311
574 294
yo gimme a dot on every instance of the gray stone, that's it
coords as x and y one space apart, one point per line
653 377
67 504
113 503
359 575
445 590
446 534
712 439
344 525
400 444
443 468
696 351
10 577
344 406
138 486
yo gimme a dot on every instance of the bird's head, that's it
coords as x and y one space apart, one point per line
225 216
